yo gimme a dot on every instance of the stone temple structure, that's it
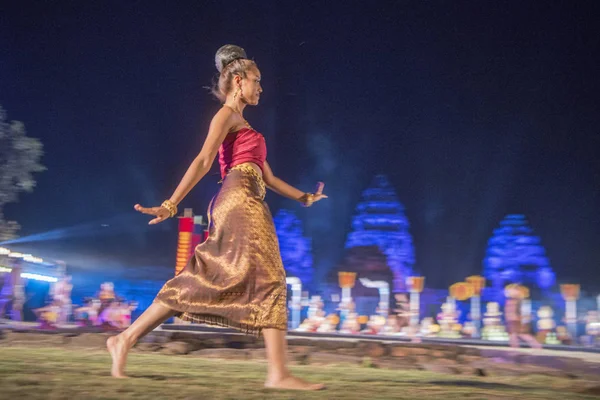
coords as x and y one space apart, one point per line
296 249
515 255
380 221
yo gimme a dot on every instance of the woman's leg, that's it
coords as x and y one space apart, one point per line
278 375
513 339
119 345
530 340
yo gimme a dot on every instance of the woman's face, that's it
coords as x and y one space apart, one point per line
251 88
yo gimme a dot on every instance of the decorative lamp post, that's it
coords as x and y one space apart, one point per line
415 287
461 291
346 281
570 293
296 303
478 283
525 305
384 293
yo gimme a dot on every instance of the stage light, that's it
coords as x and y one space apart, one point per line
4 251
35 277
38 277
32 259
15 255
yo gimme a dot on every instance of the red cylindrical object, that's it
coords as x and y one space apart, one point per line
184 243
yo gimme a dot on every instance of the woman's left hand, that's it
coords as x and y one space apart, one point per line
318 195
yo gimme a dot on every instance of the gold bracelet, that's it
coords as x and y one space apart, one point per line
170 206
308 199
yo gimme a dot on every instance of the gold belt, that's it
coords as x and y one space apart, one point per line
250 170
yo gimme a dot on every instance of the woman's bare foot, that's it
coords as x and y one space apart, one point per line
118 349
293 383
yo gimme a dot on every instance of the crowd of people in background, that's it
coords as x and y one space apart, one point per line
105 310
12 294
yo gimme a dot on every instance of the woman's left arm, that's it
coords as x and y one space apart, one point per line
286 190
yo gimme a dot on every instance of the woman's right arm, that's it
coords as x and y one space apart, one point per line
219 127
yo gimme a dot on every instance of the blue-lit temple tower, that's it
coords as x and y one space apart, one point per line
380 221
515 255
296 249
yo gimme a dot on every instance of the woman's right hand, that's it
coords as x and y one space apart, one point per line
160 213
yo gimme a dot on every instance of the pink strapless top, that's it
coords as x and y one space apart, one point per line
245 145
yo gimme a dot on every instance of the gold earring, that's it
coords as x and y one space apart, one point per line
235 95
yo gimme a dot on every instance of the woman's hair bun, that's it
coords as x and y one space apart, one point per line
227 54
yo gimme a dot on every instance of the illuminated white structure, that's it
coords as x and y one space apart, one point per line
415 285
384 293
296 302
570 293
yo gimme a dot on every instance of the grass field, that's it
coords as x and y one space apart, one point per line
67 373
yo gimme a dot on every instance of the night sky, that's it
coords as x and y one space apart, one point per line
474 109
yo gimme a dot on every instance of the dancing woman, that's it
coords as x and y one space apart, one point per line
236 277
514 319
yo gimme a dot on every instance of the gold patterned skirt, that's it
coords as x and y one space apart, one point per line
235 278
